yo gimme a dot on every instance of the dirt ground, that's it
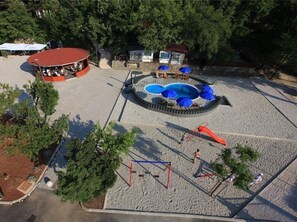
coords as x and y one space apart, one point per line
290 81
96 203
15 169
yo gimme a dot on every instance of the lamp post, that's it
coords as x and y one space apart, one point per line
40 73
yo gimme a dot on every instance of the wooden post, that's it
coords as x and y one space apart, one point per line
169 176
130 179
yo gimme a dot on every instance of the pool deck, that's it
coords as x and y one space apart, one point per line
140 87
253 119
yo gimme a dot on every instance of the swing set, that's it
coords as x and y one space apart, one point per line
167 164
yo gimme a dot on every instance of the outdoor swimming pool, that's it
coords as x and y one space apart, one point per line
182 90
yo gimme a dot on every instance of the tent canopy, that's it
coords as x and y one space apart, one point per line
22 47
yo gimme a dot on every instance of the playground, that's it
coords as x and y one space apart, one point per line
188 189
251 119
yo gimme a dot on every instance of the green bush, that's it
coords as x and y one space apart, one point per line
5 54
92 162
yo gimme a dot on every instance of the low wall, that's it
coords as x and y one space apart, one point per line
83 72
54 78
237 70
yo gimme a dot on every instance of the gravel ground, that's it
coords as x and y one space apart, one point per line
251 120
188 194
279 193
277 98
251 113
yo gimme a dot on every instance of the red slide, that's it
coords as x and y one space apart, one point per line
204 129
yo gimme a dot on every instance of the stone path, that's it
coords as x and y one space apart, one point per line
277 202
283 104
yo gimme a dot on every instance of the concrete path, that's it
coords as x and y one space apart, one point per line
270 90
88 100
279 198
44 206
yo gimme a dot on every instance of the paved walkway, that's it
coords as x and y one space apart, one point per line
44 206
279 198
87 100
275 97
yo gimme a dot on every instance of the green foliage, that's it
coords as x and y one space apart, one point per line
88 174
220 169
5 54
83 23
224 55
210 29
286 50
24 123
235 162
205 29
17 23
247 14
246 153
91 163
273 38
158 23
44 96
8 96
111 23
65 21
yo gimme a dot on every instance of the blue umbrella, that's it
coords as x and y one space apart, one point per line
170 94
163 68
207 88
184 102
207 96
185 70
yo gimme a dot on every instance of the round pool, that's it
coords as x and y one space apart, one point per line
182 90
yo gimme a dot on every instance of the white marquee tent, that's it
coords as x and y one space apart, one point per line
22 47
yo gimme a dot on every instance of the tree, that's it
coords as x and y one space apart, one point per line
44 96
24 122
91 163
111 24
287 53
8 96
284 37
158 23
234 162
16 23
65 21
271 39
88 24
205 29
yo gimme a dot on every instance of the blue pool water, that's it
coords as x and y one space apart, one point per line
182 90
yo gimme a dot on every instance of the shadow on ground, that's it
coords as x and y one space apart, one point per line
78 128
27 68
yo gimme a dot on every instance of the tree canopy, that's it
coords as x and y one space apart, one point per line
16 23
235 162
24 124
91 163
263 29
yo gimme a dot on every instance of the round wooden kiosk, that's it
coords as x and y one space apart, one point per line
60 64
